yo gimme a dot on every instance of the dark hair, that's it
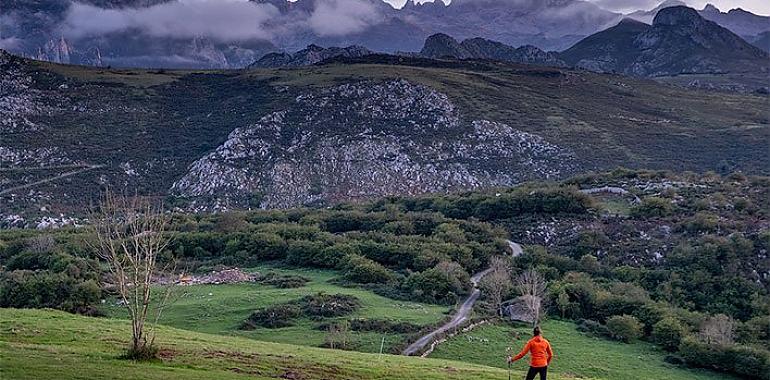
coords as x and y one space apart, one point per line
536 331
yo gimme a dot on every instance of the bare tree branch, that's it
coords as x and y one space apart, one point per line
531 285
129 234
497 284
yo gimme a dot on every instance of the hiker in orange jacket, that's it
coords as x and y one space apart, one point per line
540 355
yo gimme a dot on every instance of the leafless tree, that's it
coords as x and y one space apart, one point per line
531 285
337 335
129 235
719 329
497 284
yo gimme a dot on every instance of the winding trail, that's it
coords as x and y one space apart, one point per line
463 312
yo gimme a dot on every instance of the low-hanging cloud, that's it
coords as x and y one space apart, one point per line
341 17
219 20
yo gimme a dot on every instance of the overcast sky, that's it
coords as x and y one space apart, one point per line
626 6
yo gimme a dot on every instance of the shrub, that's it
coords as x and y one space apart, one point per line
273 317
441 284
364 271
284 281
142 354
328 305
748 362
701 222
624 328
668 333
699 354
652 207
315 255
593 328
43 289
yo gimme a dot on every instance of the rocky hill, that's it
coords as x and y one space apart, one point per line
309 56
336 132
436 46
387 138
679 41
442 46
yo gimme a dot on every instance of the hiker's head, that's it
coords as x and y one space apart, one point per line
536 331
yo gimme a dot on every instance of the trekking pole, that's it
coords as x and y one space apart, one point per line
508 352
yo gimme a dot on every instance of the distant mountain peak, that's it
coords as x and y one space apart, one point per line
628 21
711 8
680 41
678 15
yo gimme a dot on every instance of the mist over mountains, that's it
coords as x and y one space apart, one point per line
234 33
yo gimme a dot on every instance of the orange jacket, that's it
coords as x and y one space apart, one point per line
540 352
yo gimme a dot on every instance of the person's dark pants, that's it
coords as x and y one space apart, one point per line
543 371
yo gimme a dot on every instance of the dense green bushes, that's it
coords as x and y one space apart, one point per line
503 205
361 270
743 360
30 289
384 248
668 333
283 281
440 284
40 274
624 328
397 251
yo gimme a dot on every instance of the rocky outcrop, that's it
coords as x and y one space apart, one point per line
18 100
309 56
363 140
739 21
679 41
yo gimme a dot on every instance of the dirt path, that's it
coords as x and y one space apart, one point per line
463 312
46 180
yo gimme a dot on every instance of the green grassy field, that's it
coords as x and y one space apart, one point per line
577 355
220 309
45 344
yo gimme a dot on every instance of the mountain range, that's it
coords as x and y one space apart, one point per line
679 41
358 128
167 33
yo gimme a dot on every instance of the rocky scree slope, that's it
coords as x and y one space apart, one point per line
391 138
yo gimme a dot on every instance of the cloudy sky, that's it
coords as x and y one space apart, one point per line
756 6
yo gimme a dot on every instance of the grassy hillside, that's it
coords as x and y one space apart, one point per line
45 344
577 355
221 309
